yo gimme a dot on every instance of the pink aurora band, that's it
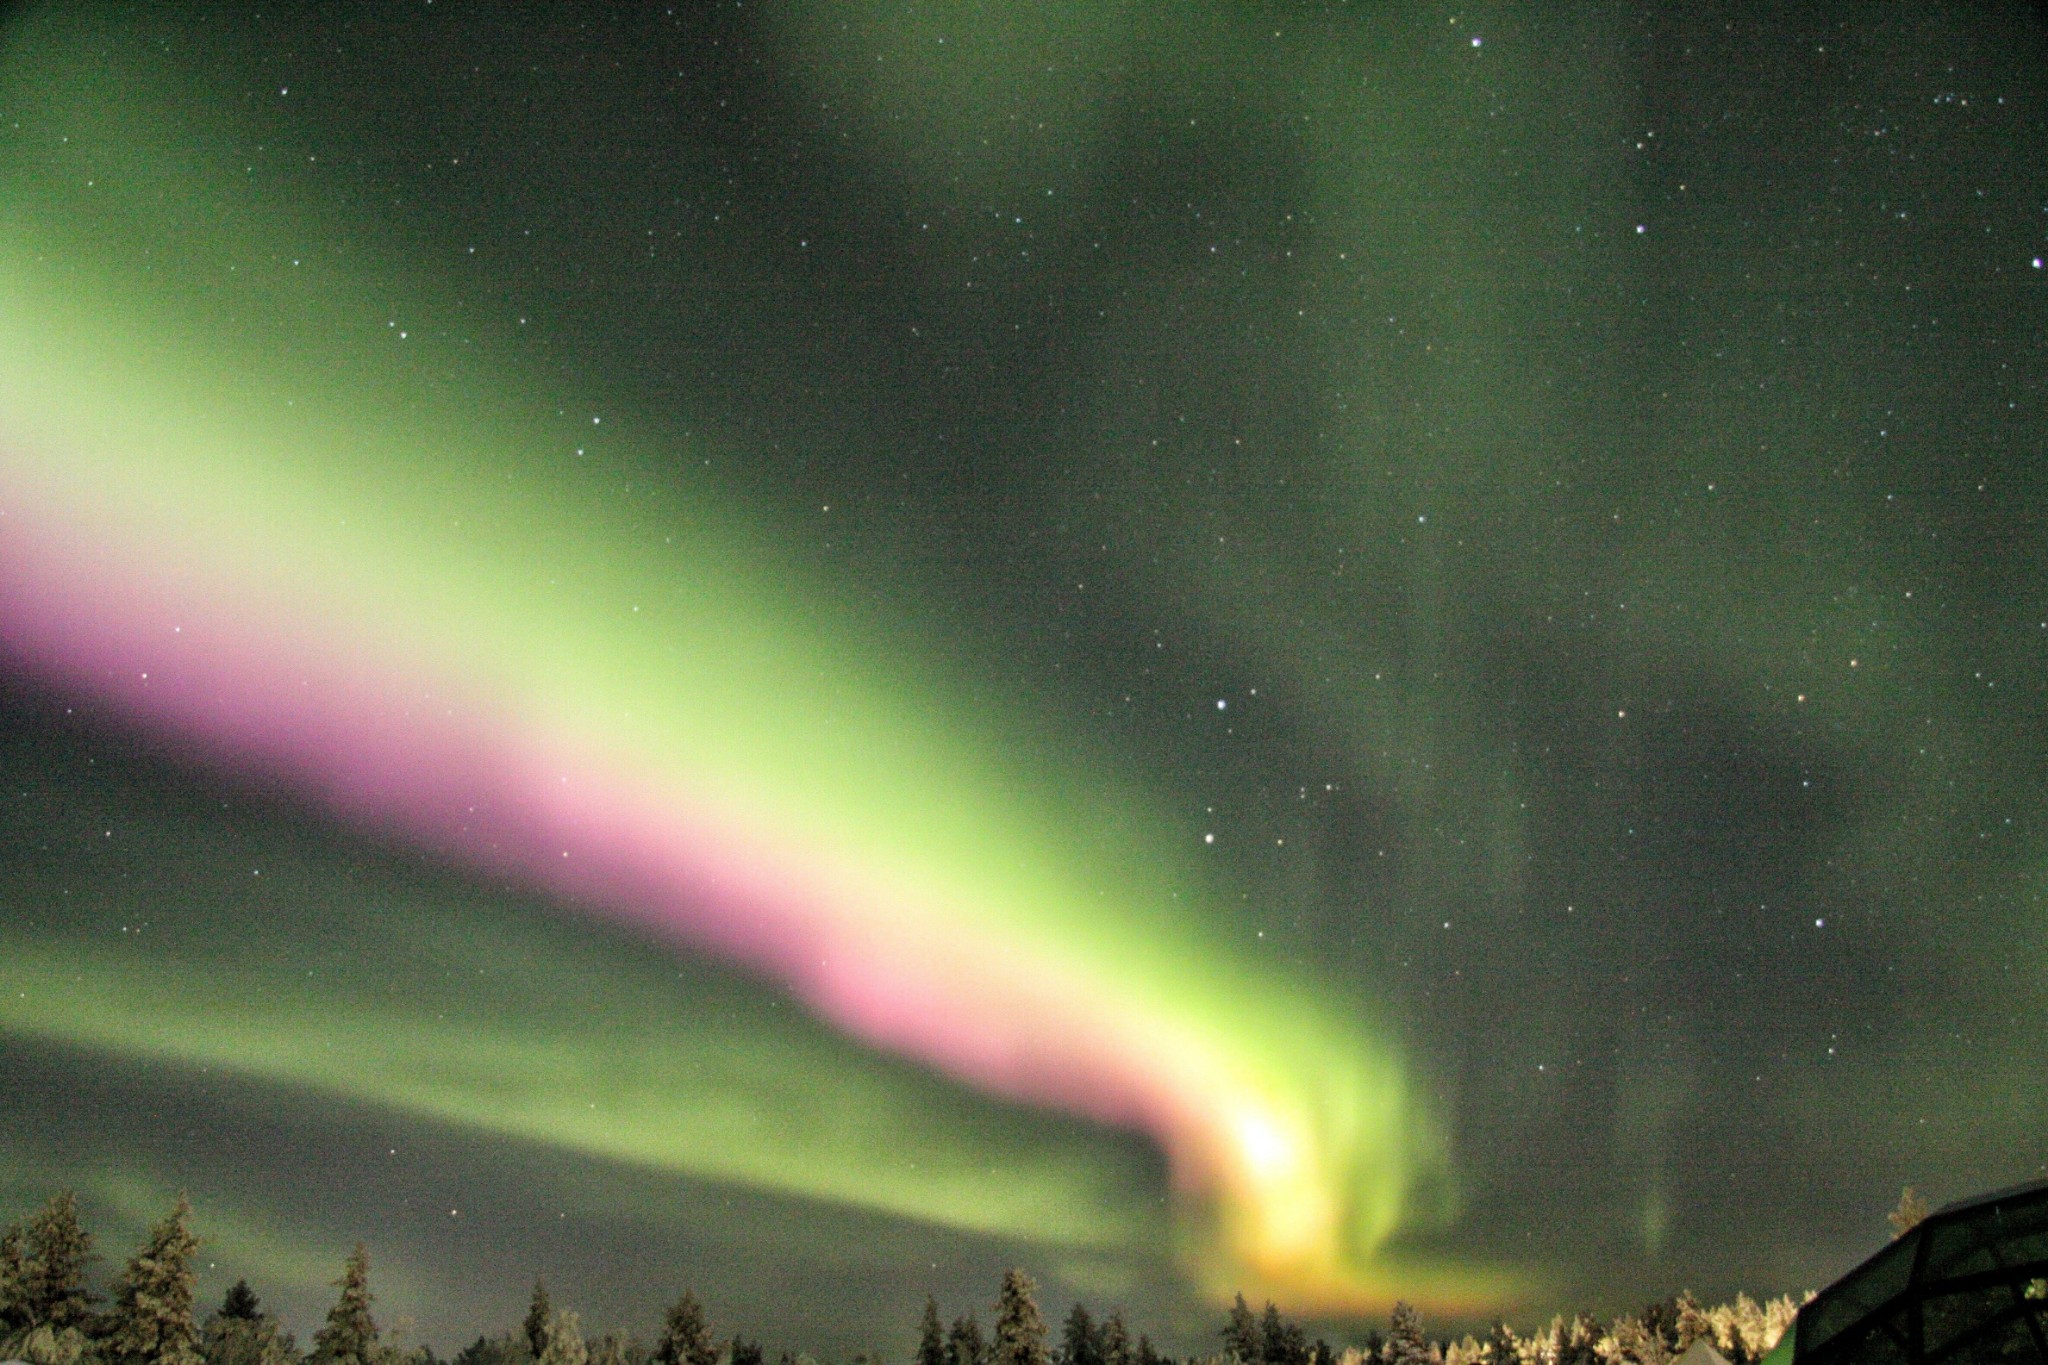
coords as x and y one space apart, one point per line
255 665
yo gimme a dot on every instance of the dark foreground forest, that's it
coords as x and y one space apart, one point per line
51 1315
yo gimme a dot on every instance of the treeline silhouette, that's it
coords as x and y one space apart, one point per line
49 1315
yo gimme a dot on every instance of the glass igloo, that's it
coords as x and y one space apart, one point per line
1968 1286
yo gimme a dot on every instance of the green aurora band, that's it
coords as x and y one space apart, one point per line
302 539
1596 456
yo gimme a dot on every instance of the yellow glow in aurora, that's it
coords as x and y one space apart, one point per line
243 512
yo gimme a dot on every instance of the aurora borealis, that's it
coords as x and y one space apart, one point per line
1347 651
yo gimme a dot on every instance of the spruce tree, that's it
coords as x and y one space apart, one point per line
561 1338
1501 1346
1631 1339
1691 1322
1145 1355
13 1281
931 1338
1241 1334
1751 1327
1020 1330
1116 1340
350 1336
743 1351
59 1251
1280 1341
964 1344
241 1333
537 1315
1079 1344
1910 1213
1578 1343
1780 1313
1405 1344
241 1302
1664 1333
685 1336
151 1321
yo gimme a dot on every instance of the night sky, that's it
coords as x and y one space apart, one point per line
808 650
